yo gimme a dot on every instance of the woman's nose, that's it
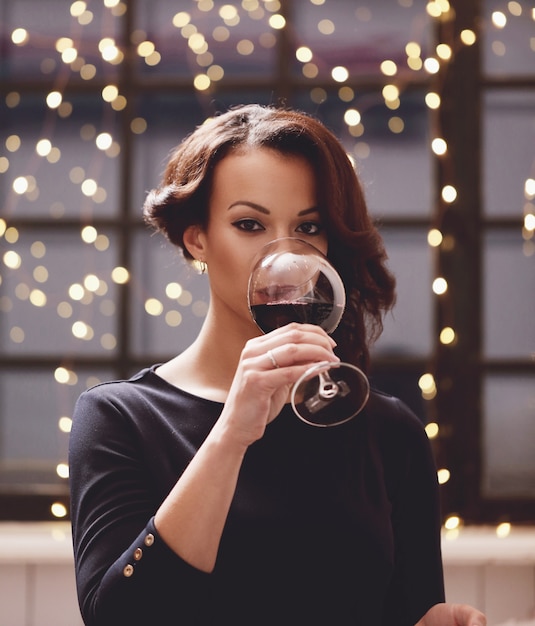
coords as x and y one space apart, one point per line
283 232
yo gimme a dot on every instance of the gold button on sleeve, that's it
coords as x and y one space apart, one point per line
149 539
138 553
128 570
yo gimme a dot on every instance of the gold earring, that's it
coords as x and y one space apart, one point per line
201 266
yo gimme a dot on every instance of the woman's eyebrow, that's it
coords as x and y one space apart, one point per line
252 205
262 209
313 209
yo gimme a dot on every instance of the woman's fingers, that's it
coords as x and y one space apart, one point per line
292 345
270 364
294 354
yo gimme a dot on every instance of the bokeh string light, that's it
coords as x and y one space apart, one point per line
211 39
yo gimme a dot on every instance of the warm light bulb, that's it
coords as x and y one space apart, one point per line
65 424
181 19
499 19
352 117
439 146
120 275
444 51
19 36
440 286
453 522
37 298
468 37
434 237
413 50
431 65
54 99
432 100
389 68
447 335
426 382
340 74
153 306
202 82
449 194
62 470
89 234
110 93
173 291
104 141
61 375
390 92
303 54
443 475
277 22
12 259
58 509
432 430
503 530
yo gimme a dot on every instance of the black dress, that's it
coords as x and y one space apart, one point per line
328 526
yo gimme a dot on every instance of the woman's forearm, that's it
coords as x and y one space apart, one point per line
192 517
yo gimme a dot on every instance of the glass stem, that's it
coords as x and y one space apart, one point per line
328 388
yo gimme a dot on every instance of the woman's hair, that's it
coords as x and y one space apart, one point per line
355 247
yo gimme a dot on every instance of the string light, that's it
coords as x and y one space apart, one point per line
340 74
120 275
468 37
452 527
434 237
65 424
443 475
439 146
427 386
432 430
453 522
447 335
449 194
503 530
59 510
440 286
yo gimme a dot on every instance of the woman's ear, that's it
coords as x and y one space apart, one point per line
194 241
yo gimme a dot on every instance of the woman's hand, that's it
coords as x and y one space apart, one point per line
453 615
268 368
192 517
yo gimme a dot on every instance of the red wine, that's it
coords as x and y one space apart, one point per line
271 316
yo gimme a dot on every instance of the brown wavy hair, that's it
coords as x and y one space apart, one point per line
355 247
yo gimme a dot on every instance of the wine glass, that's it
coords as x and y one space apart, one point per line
292 281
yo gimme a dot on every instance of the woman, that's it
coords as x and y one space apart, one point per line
198 497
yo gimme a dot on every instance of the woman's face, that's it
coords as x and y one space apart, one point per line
257 196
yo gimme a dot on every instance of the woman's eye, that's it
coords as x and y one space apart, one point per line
248 225
310 228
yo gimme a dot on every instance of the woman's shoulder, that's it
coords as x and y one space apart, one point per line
398 435
145 383
140 383
143 394
391 407
144 408
391 417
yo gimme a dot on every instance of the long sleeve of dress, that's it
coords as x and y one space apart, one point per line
417 580
125 572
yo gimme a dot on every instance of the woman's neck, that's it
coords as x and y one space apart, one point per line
206 368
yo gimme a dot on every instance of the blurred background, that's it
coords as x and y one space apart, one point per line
435 104
436 107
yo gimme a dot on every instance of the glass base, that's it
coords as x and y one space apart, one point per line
329 394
